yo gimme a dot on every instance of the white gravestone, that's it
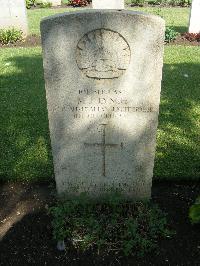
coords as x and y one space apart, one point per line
103 78
194 26
53 2
13 14
108 4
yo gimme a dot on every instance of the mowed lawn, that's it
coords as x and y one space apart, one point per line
25 150
175 17
24 136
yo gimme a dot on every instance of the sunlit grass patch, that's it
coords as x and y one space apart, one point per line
24 135
178 142
176 17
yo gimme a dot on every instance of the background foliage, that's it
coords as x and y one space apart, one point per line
39 3
10 35
194 212
160 2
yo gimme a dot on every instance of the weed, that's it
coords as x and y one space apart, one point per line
11 35
110 225
170 34
138 2
194 212
38 3
44 4
30 3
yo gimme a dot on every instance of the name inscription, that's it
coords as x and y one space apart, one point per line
107 112
125 109
103 104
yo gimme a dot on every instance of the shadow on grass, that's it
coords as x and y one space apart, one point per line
180 29
24 136
178 150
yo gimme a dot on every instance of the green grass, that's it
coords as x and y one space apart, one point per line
176 17
24 139
178 141
35 16
24 136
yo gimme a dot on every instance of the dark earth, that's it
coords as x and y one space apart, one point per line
26 233
35 40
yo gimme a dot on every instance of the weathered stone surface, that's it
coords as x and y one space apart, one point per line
108 4
13 14
194 26
103 77
97 45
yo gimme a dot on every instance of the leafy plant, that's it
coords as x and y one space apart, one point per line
138 2
42 4
39 3
170 34
110 225
194 212
160 2
11 35
154 2
30 3
179 2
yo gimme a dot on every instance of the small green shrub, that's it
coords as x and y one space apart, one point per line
154 2
178 2
194 212
44 4
111 225
30 3
38 3
138 2
170 34
160 2
11 35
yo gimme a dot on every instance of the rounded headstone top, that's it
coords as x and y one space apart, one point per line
103 54
89 12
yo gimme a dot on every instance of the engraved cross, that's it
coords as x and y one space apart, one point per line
103 145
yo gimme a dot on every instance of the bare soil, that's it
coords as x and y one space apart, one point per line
34 40
26 233
30 41
181 40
